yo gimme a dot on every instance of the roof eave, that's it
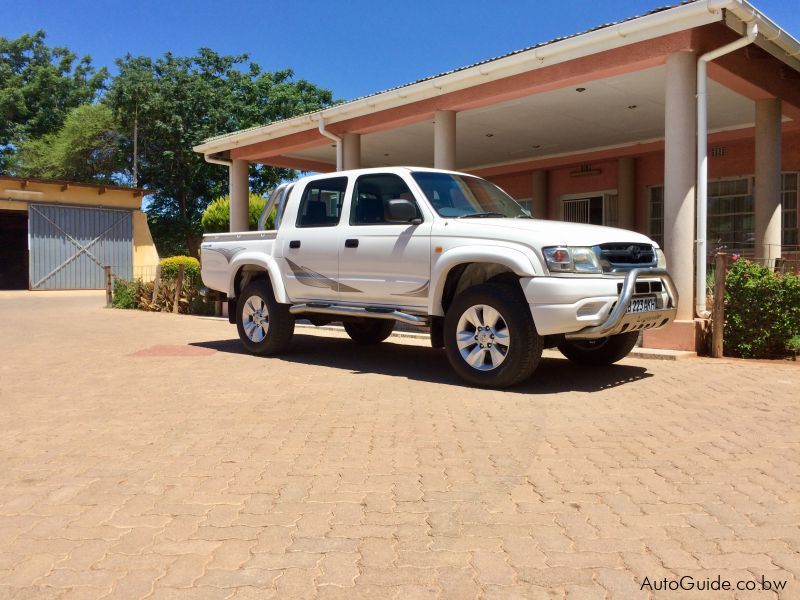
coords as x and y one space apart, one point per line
679 18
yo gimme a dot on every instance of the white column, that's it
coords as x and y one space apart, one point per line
626 193
539 194
768 180
351 151
444 140
239 190
679 176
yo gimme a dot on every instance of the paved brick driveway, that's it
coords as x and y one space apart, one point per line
141 455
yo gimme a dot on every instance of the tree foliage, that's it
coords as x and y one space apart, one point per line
86 148
39 85
217 215
177 103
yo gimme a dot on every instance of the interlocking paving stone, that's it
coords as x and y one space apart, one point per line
146 456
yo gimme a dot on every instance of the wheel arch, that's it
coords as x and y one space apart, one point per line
249 269
456 271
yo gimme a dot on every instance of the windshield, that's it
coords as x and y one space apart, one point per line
463 196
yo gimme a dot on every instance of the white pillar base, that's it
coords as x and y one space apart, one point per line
679 177
767 197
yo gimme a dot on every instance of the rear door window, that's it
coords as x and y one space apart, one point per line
321 205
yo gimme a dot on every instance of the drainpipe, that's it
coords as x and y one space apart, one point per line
335 138
702 161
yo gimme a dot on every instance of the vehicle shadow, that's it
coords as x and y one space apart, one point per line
428 364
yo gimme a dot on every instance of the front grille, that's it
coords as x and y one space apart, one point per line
645 287
623 255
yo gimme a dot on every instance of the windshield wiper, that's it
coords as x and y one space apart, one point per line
478 215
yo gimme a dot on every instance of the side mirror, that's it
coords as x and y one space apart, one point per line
400 210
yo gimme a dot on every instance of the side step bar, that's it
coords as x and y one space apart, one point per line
359 311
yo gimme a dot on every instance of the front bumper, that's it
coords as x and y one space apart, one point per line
595 307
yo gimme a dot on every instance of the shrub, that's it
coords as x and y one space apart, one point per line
190 301
762 310
124 294
169 268
216 216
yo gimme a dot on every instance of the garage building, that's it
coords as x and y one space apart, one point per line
60 234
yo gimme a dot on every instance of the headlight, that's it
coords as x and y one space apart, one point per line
563 259
662 259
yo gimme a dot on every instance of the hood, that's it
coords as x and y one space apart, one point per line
540 233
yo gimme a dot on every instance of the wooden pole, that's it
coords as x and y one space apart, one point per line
156 283
178 289
109 297
718 310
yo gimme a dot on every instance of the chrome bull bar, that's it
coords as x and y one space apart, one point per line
620 321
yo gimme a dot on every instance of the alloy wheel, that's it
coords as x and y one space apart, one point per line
255 319
483 337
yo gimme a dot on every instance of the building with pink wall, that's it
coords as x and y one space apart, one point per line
600 127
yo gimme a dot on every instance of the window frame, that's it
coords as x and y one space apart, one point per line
316 183
751 179
795 210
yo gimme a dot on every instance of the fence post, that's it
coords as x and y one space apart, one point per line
109 297
156 283
718 310
178 289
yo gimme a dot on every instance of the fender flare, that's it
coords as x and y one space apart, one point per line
266 263
524 264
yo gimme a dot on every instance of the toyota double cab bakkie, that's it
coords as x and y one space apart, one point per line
444 250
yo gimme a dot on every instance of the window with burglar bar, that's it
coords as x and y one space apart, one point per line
731 216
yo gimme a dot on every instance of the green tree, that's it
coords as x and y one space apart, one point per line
175 103
39 85
86 148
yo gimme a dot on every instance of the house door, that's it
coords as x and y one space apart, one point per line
13 250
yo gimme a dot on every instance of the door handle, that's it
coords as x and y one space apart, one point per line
294 244
351 243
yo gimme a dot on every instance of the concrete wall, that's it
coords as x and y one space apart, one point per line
738 161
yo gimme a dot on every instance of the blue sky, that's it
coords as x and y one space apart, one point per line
353 47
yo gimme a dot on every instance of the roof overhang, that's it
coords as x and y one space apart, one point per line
736 14
100 188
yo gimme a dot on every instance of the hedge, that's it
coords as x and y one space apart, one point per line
762 310
216 216
169 267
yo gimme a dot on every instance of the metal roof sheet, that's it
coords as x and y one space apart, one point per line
456 70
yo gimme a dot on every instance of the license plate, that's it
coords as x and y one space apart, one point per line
642 304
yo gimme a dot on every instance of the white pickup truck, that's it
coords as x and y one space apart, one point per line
445 250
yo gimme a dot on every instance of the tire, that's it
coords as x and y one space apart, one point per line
265 326
368 331
603 351
503 309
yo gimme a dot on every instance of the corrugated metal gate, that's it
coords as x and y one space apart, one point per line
70 246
